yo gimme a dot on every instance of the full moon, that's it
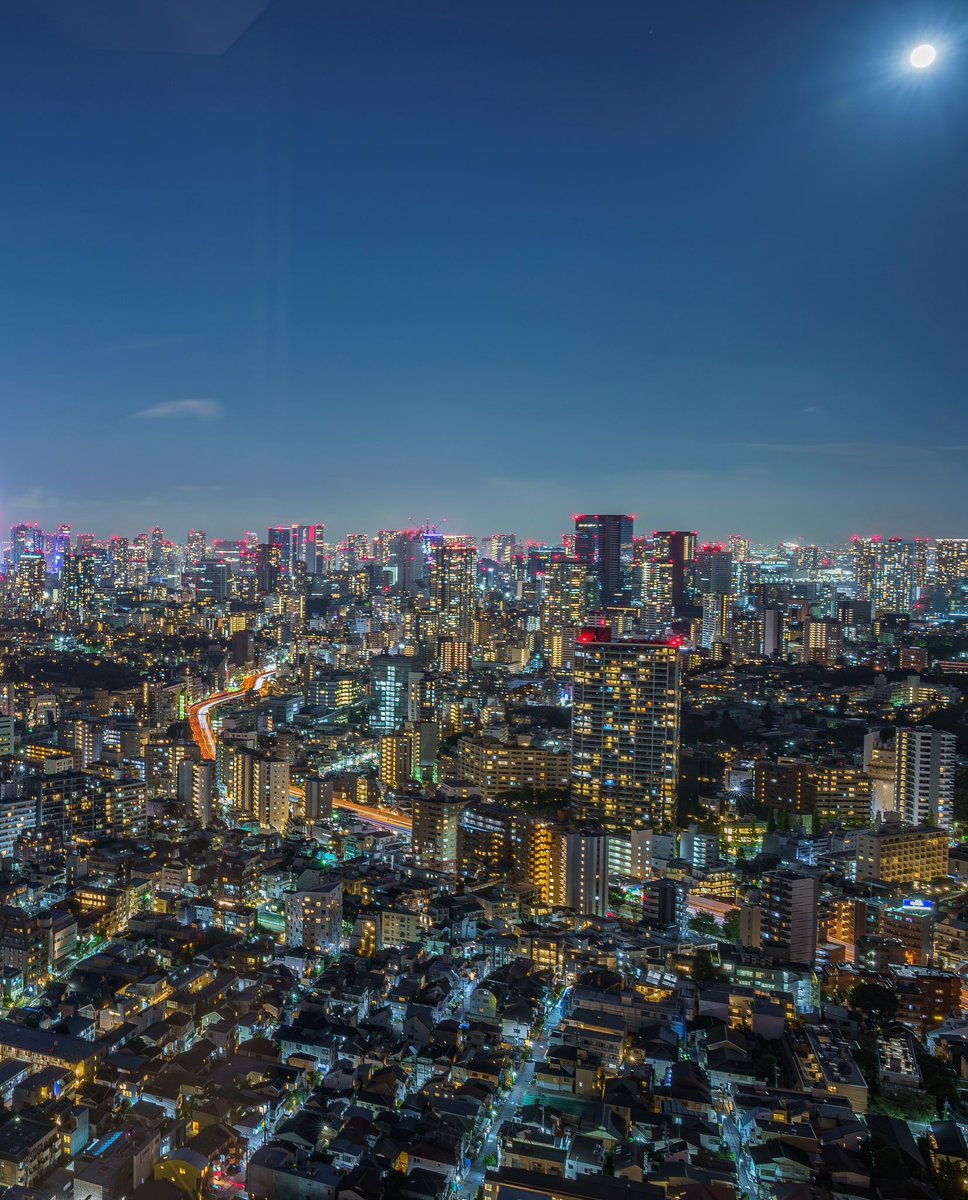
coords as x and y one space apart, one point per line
923 56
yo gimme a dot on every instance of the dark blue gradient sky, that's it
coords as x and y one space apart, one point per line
491 262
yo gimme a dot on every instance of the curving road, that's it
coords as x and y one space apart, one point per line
200 723
200 714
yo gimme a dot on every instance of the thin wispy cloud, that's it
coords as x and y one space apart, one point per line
836 448
173 410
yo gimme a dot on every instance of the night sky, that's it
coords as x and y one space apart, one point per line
369 263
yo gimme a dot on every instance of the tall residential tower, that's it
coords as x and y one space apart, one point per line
625 732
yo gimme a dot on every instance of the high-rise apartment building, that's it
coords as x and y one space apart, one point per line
902 572
279 537
156 546
505 840
813 795
677 547
499 547
118 551
717 618
655 587
314 548
203 793
579 870
515 765
78 583
453 588
714 570
258 785
625 732
866 555
603 542
436 820
567 867
26 538
951 561
396 685
31 578
196 546
395 764
664 906
788 916
563 594
405 558
822 641
889 572
924 778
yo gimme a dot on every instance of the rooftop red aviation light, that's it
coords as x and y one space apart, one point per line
595 633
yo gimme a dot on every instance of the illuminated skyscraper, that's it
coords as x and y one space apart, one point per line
499 547
714 570
78 583
902 571
395 768
156 546
396 686
138 561
625 732
31 578
453 589
603 542
866 552
56 547
196 546
951 561
354 550
26 538
563 601
717 613
248 551
212 581
889 572
677 547
279 538
406 561
314 553
118 549
654 579
268 565
381 546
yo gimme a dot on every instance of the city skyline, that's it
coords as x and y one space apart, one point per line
335 256
483 600
335 535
